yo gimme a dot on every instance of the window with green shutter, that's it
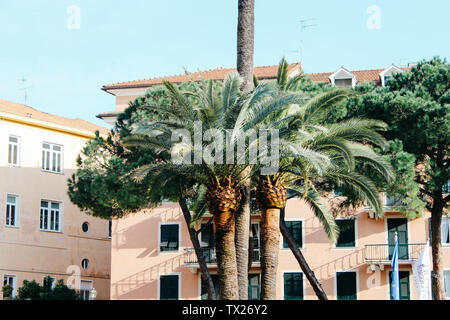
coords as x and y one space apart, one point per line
347 233
168 287
404 285
295 228
293 286
346 285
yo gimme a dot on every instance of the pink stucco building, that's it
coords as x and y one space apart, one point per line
41 232
152 256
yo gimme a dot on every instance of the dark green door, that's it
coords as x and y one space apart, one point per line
404 285
399 225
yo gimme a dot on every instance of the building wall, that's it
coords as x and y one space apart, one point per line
137 264
25 250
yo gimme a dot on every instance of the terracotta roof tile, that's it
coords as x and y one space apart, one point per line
265 72
361 76
26 111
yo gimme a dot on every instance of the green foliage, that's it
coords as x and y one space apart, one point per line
31 290
416 107
7 291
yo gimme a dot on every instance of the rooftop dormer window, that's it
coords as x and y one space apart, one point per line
343 82
343 78
387 73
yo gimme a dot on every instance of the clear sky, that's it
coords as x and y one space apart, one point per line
66 63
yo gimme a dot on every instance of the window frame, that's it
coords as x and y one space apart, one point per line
447 294
18 150
410 283
303 283
444 244
346 80
61 210
16 210
109 228
53 282
160 224
200 235
336 282
89 291
51 151
169 274
302 229
355 222
15 281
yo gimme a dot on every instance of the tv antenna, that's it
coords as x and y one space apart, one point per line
305 24
24 89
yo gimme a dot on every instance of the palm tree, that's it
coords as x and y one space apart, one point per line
317 108
245 50
301 131
215 106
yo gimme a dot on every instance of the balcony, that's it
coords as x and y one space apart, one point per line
190 258
381 254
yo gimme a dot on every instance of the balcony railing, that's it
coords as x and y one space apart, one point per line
382 253
190 258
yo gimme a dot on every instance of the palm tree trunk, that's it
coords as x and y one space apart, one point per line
242 241
224 232
301 260
270 246
245 42
245 51
206 276
436 250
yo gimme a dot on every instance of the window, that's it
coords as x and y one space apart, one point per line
295 228
253 286
445 230
12 281
169 237
52 157
85 289
346 285
52 279
204 287
11 210
85 263
386 78
50 216
207 236
447 283
343 82
13 151
446 187
293 285
256 242
85 227
110 228
393 201
168 287
404 285
346 233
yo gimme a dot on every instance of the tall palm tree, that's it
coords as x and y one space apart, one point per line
215 106
245 52
300 130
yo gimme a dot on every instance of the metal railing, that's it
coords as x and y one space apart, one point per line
383 252
210 255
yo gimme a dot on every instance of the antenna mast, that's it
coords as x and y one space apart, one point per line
303 26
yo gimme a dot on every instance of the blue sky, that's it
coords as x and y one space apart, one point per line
134 39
